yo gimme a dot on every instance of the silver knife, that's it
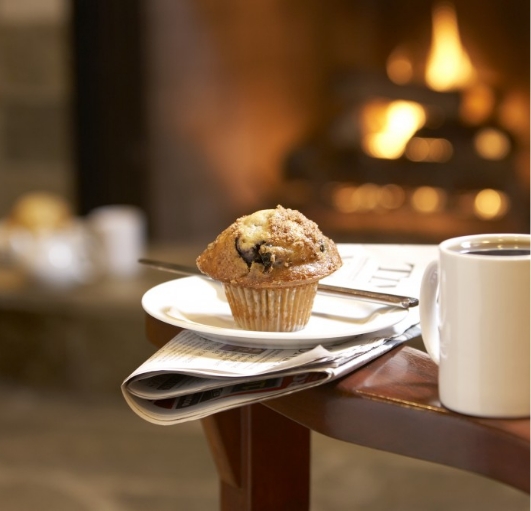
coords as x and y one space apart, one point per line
405 302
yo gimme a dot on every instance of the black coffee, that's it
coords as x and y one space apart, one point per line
500 252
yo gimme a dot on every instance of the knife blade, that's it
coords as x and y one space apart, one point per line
404 302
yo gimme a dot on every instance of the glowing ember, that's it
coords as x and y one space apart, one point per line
492 144
491 204
429 149
399 67
348 198
428 199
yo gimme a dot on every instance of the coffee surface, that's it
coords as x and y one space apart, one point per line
499 252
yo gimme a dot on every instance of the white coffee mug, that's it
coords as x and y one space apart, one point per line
474 314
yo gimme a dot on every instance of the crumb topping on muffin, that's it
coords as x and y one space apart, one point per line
271 247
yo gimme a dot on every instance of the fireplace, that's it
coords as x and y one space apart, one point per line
339 109
423 150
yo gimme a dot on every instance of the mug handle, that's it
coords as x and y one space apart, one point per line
429 311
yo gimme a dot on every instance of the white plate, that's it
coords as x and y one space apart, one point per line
200 305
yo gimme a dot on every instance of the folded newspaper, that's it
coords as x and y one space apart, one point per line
192 377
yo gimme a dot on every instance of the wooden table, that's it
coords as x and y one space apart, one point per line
262 451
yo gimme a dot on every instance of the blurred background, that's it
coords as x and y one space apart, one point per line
132 127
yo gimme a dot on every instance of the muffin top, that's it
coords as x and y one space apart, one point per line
271 247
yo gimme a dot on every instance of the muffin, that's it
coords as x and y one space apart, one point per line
270 263
40 211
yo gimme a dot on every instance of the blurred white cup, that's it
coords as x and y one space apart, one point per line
59 257
122 232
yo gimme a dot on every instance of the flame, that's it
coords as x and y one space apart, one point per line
389 126
448 66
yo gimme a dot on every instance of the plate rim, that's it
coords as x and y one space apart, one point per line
249 335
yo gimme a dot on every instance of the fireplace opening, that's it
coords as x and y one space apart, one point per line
423 150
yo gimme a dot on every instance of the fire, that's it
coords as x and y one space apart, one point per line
389 126
449 65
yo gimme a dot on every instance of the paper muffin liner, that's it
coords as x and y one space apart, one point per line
281 309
